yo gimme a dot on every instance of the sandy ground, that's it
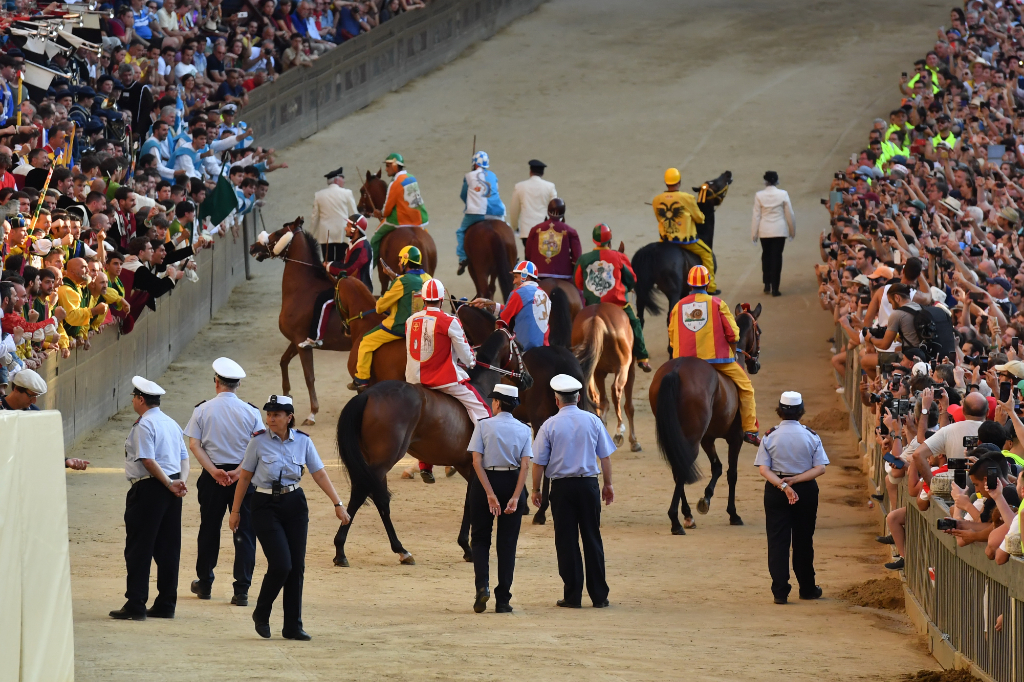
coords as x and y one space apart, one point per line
608 94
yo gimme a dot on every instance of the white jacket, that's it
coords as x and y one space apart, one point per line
773 214
529 205
331 208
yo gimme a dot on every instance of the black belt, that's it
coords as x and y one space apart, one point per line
133 481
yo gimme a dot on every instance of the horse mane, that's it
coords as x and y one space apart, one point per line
490 317
560 322
489 349
316 257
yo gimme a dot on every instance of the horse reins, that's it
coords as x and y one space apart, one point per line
513 346
755 357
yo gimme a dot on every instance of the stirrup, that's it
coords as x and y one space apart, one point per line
311 343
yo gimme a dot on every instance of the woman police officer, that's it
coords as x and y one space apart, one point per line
273 462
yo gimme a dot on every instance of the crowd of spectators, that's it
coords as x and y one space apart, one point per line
923 271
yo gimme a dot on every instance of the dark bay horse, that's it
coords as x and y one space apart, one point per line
710 196
377 428
491 251
372 195
694 405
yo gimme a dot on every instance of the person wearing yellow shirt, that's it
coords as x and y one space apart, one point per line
73 296
99 292
678 214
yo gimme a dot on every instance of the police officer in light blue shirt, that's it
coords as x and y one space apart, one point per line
790 458
156 465
218 433
566 449
273 463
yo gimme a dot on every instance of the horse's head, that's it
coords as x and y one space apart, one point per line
276 243
713 191
372 194
749 344
477 323
500 352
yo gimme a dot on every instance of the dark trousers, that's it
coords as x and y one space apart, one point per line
214 500
771 261
333 251
281 528
576 513
152 524
481 521
788 524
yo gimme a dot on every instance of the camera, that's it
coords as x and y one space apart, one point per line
976 251
959 466
879 333
840 175
946 524
933 250
1004 391
824 202
969 443
993 478
902 408
883 397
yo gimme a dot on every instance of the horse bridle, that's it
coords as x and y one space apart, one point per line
703 197
754 357
514 349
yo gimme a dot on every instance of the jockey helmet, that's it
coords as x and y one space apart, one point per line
526 269
602 234
432 290
672 176
481 159
698 276
358 221
410 254
556 208
395 159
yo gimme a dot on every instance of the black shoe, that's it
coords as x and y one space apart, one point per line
503 608
767 288
159 613
878 496
240 600
816 594
603 604
568 605
781 600
300 635
897 564
122 614
776 293
427 475
482 595
462 267
885 540
262 629
199 590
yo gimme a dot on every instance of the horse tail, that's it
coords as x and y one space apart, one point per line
644 267
350 425
677 450
560 320
500 256
589 352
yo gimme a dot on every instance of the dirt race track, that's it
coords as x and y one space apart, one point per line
609 94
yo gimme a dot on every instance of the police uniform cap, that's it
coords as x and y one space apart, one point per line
279 403
30 381
504 392
228 369
791 399
147 387
563 383
534 163
338 172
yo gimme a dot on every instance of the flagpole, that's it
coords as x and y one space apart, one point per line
39 204
21 80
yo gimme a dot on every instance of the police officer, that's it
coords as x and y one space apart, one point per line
27 387
156 464
566 449
501 453
790 457
218 433
273 462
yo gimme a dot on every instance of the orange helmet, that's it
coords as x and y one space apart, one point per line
698 276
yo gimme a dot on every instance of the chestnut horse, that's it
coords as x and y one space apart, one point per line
355 306
491 251
377 428
602 339
372 196
694 404
572 294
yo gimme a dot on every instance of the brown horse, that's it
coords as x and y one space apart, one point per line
491 251
602 339
355 306
572 294
372 195
377 428
693 404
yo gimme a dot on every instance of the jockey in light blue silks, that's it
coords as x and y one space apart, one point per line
480 193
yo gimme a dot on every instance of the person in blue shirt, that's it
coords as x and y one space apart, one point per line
527 310
480 195
273 462
567 449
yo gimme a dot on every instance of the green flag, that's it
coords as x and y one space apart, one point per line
219 203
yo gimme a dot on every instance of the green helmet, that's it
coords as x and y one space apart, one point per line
396 158
410 254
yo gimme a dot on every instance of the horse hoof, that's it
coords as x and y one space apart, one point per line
703 505
735 521
342 562
539 519
450 471
409 473
635 447
618 440
678 530
689 523
407 560
310 420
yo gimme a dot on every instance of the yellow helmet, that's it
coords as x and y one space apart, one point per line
672 176
410 254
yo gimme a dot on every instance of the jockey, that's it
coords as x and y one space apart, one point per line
356 264
401 300
528 308
480 194
605 276
676 213
553 245
403 206
702 326
434 340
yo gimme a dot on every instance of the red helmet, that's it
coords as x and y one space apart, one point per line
358 221
698 276
432 290
602 234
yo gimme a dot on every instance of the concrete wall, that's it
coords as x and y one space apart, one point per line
349 77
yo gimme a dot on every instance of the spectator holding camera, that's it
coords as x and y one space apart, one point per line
949 440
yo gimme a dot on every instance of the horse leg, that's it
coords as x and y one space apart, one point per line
540 518
708 443
383 504
290 352
673 512
735 441
634 444
355 501
618 384
306 356
601 395
688 521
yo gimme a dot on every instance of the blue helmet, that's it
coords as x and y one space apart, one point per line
481 159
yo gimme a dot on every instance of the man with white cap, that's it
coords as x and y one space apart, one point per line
566 449
156 465
790 457
501 457
27 387
218 433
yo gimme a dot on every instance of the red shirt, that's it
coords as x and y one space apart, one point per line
554 248
7 179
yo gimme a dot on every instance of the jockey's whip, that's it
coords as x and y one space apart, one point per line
474 151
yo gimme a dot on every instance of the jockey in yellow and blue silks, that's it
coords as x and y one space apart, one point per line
480 194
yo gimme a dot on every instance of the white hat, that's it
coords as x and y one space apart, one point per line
921 369
563 383
228 369
504 390
791 399
279 403
144 385
31 381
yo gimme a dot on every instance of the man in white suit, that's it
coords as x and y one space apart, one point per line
529 205
774 223
331 208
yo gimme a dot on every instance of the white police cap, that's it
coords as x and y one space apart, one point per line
791 399
228 368
504 390
563 383
279 403
144 385
30 381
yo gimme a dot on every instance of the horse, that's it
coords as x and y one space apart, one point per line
377 428
602 339
372 195
491 252
356 307
710 196
693 404
572 294
303 279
